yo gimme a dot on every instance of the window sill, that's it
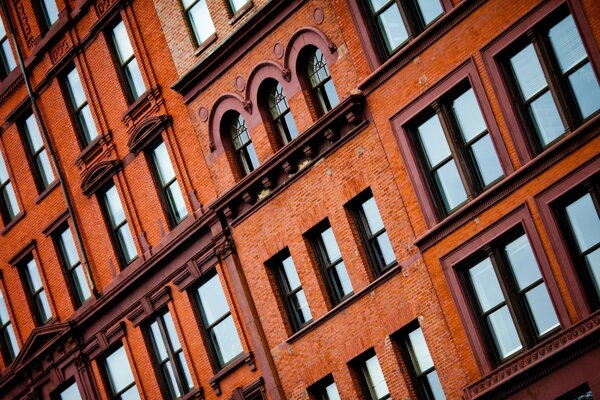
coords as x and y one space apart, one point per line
347 302
46 191
205 44
241 12
244 358
12 223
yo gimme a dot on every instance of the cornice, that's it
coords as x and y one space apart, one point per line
248 35
539 361
288 164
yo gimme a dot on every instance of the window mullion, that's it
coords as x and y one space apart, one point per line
408 19
170 355
568 114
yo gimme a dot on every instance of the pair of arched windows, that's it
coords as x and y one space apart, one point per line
323 96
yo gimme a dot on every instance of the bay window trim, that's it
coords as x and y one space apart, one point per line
403 121
518 218
492 58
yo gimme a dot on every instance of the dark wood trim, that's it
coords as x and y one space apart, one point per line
545 201
56 223
517 218
12 222
21 254
149 305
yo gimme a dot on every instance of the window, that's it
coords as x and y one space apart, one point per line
398 21
119 227
242 144
7 59
168 186
80 108
455 150
199 18
168 356
76 278
38 157
372 233
371 377
70 393
48 13
8 340
291 290
420 365
219 329
36 295
582 392
580 214
119 377
323 92
325 389
330 261
509 296
552 81
281 116
237 5
9 208
128 66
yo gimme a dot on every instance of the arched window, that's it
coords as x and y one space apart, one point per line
322 88
283 121
242 144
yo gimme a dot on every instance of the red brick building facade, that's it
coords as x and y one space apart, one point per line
302 199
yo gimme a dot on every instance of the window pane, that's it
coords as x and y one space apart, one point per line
119 371
10 200
201 21
51 10
566 43
586 90
430 9
386 248
253 158
171 332
171 376
87 123
131 394
81 284
376 376
342 274
76 88
291 125
584 221
45 168
331 392
12 339
44 307
34 276
290 273
68 245
522 262
372 214
422 359
70 393
504 332
546 119
392 27
115 209
176 200
3 171
3 311
227 340
163 163
434 141
186 371
528 71
237 4
302 304
331 247
487 161
159 344
126 242
33 133
332 95
450 185
593 262
541 308
213 300
486 285
122 43
8 56
468 114
137 83
436 386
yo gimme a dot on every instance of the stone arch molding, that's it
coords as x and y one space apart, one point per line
287 75
98 175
